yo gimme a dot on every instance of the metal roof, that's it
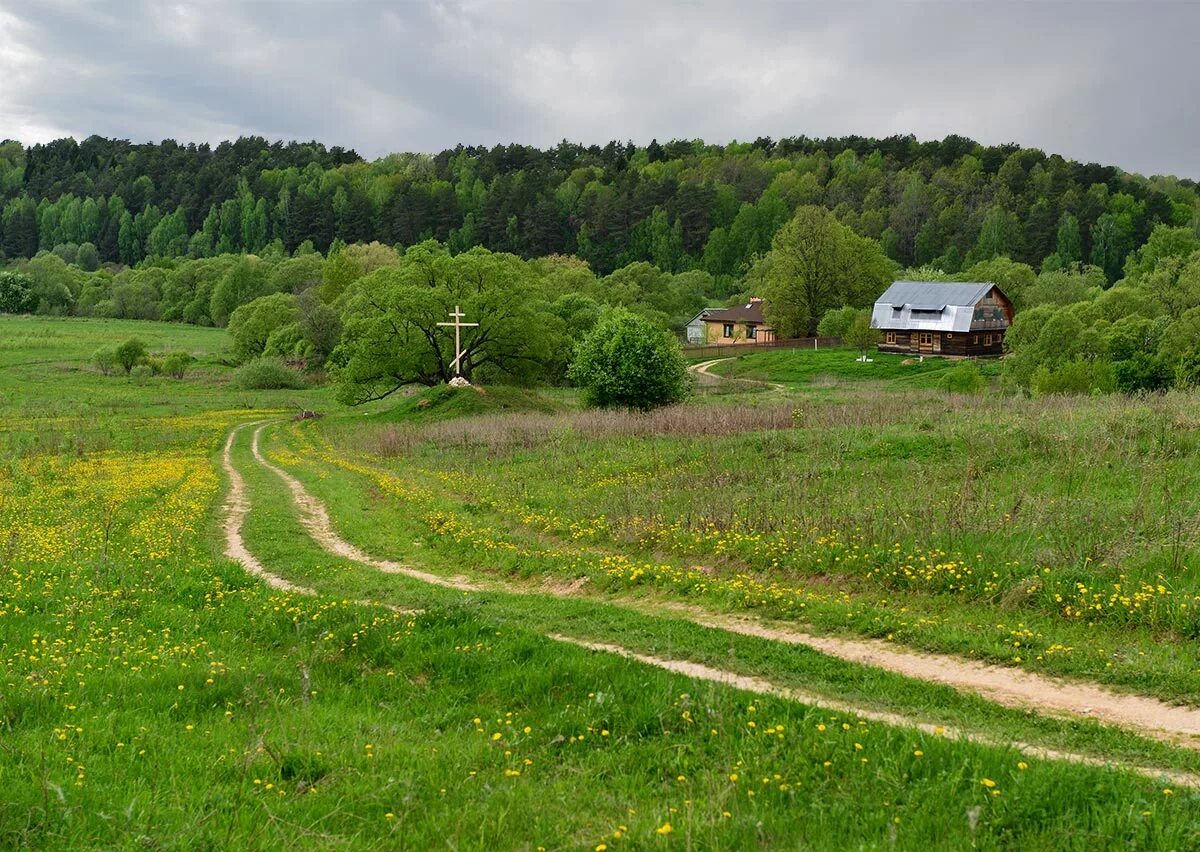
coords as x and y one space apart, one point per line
929 305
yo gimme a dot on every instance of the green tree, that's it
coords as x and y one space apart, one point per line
626 361
997 234
87 258
244 282
253 323
861 335
817 263
1110 245
391 334
1069 246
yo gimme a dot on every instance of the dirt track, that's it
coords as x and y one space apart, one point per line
1009 687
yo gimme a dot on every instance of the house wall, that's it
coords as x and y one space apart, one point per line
715 333
971 344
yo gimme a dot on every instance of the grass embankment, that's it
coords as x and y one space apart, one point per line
442 402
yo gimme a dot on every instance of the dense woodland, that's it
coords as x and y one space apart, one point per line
681 205
191 233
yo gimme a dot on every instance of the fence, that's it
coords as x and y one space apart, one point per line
727 350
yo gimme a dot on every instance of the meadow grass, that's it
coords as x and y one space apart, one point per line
642 621
839 364
1053 535
155 695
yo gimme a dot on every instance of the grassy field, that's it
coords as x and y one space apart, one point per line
156 695
834 366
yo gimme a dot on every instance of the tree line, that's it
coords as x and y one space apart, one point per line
681 206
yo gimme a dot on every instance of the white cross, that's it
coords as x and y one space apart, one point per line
458 325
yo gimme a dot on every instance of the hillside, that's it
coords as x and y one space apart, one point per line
681 205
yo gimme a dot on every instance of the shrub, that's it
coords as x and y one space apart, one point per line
963 378
1074 377
267 374
131 353
176 364
1142 372
836 322
141 372
627 361
105 359
16 293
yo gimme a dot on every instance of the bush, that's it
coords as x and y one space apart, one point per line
176 364
627 361
963 378
1074 377
267 374
16 294
131 353
836 322
105 359
141 372
1140 373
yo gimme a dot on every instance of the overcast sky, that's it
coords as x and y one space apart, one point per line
1113 83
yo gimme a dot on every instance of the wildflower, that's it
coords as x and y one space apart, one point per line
665 828
988 782
1022 765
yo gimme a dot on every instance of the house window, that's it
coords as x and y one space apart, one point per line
890 337
987 340
926 338
975 339
727 330
752 332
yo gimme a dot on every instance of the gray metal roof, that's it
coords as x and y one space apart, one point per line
928 305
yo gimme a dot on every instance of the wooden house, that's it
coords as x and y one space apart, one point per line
739 324
943 318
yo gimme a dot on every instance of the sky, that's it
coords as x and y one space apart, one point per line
1113 83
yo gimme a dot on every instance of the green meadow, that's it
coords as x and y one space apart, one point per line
154 694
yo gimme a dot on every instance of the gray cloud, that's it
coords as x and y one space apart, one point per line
1114 83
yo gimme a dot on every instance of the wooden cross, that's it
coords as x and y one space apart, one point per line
458 326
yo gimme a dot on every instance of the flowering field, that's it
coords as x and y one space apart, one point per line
1052 535
153 694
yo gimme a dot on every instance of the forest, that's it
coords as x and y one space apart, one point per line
681 205
1101 264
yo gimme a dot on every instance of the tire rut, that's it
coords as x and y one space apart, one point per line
1141 714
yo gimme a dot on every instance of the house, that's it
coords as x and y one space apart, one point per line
942 318
739 324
